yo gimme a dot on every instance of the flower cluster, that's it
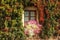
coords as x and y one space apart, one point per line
32 28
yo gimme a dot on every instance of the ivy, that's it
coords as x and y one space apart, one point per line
11 27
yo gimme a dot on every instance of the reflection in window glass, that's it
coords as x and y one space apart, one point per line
32 13
32 18
26 19
26 13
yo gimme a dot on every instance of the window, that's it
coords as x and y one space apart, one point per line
29 15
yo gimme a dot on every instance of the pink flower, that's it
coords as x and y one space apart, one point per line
26 32
32 25
36 31
32 22
39 25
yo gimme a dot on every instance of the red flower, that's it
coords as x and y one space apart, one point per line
41 19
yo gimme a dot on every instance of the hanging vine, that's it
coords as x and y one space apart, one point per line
50 21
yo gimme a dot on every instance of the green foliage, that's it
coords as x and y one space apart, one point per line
11 20
51 22
29 2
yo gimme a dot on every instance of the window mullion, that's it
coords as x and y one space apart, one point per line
29 15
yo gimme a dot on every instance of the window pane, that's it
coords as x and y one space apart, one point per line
32 18
26 13
32 13
26 18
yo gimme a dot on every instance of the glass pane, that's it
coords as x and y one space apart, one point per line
26 13
32 13
32 18
26 18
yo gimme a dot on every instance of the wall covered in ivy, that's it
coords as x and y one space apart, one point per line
11 20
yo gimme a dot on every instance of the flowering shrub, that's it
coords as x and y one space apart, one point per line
32 28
